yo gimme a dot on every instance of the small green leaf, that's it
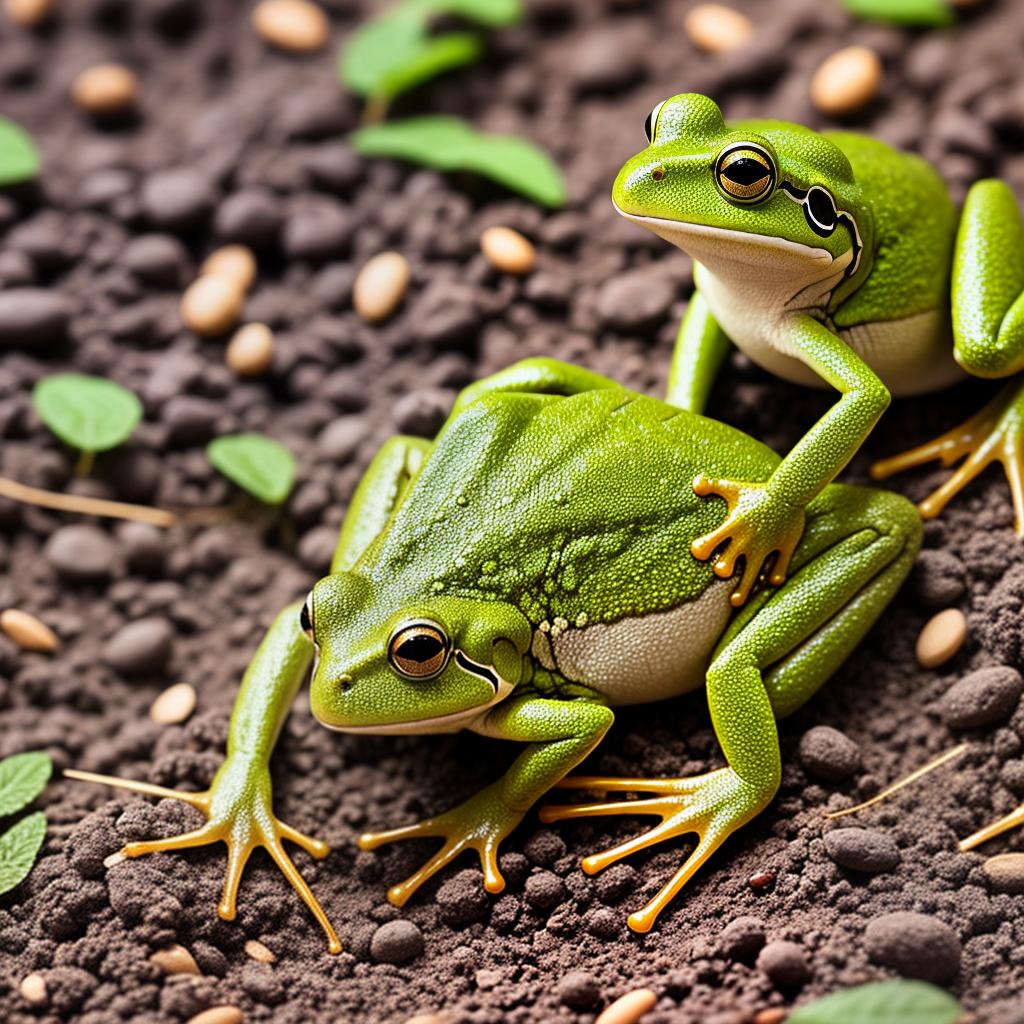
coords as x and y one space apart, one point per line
258 464
88 413
451 144
19 158
493 13
883 1002
436 55
921 13
22 778
19 847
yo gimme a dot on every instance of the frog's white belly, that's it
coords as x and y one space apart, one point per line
642 659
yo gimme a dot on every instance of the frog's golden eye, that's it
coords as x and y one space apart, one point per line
306 616
745 173
418 649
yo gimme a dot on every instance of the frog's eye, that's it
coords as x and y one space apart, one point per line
306 616
745 173
651 124
418 649
820 210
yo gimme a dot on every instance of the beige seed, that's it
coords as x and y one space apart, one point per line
28 12
380 286
174 705
846 81
427 1018
943 635
251 350
628 1009
258 951
105 89
33 989
772 1015
113 859
218 1015
175 960
27 631
508 251
235 262
716 28
211 304
1006 872
295 25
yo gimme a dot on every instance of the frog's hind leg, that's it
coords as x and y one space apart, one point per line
858 548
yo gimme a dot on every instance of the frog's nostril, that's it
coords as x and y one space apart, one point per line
344 683
658 173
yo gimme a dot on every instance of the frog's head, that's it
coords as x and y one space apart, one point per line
391 666
765 195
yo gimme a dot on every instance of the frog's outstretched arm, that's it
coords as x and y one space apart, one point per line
701 347
858 548
560 733
767 518
988 329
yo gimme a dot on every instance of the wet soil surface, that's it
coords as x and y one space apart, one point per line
254 145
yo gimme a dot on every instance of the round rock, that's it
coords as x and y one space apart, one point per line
177 199
82 553
251 216
635 300
915 945
579 990
985 697
318 231
742 938
1006 872
396 942
543 890
862 849
785 964
938 579
32 316
829 755
158 259
140 647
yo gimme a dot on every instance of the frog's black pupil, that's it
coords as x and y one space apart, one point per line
304 620
819 202
649 127
420 648
745 171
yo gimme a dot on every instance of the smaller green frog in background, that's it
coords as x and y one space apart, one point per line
521 576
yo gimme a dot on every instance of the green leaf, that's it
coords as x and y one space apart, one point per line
493 13
89 413
922 13
450 144
19 847
22 778
258 464
883 1002
436 55
19 158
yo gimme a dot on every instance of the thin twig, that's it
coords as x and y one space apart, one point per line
87 506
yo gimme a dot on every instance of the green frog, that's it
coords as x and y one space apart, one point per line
523 575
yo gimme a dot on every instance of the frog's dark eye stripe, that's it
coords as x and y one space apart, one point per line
745 173
823 218
418 650
651 124
474 667
306 616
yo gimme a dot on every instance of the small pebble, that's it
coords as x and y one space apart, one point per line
462 899
27 631
235 262
829 754
174 705
218 1015
251 350
81 552
628 1009
294 25
716 28
255 949
987 696
579 990
141 647
846 81
543 890
915 945
742 938
105 89
862 849
396 942
938 579
943 635
33 989
31 317
175 960
785 963
1006 872
508 250
211 305
177 198
28 13
380 286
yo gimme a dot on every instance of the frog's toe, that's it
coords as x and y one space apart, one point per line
204 836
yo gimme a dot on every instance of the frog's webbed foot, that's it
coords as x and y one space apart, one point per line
995 434
240 816
479 824
712 806
759 526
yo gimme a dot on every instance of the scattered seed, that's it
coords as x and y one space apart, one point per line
175 960
259 952
943 635
251 350
235 262
508 251
427 1018
1006 872
761 880
218 1015
846 81
174 705
33 989
105 89
211 304
28 13
716 28
295 25
27 631
113 859
772 1015
380 286
629 1008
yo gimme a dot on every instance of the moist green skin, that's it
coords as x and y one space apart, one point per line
550 521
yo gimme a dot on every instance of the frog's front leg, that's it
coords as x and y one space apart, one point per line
858 548
766 518
988 330
701 347
560 733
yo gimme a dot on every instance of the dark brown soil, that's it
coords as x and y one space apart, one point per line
579 77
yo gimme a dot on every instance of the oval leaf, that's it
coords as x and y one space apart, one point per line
884 1002
933 13
89 413
257 464
451 144
436 55
22 778
19 847
19 158
379 48
485 12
